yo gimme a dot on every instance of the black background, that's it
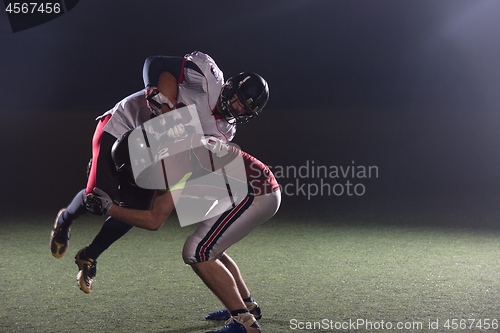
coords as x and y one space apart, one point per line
411 87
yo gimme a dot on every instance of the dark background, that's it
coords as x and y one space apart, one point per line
411 87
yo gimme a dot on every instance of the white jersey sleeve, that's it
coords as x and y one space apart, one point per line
129 113
200 84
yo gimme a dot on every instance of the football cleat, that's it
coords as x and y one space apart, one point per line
243 323
59 238
218 315
87 271
253 307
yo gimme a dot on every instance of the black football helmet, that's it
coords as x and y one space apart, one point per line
120 153
131 154
249 88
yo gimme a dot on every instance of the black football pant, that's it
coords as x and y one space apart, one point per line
131 197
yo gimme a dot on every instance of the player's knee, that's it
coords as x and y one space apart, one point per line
189 250
189 260
198 249
192 257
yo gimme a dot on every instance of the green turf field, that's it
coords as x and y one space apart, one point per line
330 274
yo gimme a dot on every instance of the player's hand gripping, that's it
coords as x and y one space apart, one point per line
176 132
98 203
155 99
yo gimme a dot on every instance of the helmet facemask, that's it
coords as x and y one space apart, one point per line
243 97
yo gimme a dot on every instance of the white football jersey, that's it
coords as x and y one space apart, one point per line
200 84
129 113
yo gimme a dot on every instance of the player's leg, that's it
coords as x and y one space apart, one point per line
101 173
59 238
235 271
221 282
213 237
111 231
74 210
250 303
86 258
247 298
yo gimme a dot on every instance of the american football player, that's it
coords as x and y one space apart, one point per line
169 82
205 249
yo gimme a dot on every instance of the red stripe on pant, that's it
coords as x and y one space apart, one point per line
220 227
96 146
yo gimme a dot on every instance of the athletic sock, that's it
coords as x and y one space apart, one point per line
74 210
249 300
110 232
235 313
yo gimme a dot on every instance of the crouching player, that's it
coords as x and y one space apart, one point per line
205 249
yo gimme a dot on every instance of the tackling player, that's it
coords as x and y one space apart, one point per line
170 81
205 249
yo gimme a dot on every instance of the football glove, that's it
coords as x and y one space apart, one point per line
176 132
98 203
215 145
155 99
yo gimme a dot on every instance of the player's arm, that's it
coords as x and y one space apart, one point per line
100 203
153 219
154 66
161 76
